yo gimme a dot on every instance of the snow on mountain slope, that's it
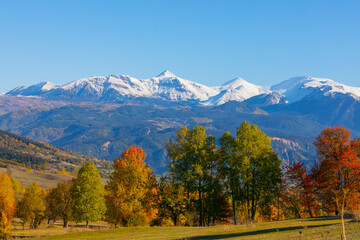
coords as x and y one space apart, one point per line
235 90
36 89
295 89
169 87
266 99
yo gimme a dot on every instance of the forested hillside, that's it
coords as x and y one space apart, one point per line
21 151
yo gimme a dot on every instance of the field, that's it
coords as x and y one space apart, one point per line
309 228
45 179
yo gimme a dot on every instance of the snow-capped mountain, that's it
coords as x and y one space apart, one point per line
297 88
235 90
36 89
170 87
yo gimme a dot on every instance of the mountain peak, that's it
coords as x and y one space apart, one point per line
166 74
235 82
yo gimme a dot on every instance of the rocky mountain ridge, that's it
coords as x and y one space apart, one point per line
169 87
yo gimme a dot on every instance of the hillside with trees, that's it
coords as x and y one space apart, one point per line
29 160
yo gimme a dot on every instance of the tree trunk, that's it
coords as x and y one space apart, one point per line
87 223
234 211
248 204
310 212
253 207
342 221
65 225
200 207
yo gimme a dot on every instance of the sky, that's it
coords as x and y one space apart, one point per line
209 42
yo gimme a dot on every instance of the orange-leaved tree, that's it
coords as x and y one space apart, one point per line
338 173
7 205
302 185
131 190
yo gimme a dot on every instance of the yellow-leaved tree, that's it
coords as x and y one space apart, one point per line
31 207
7 205
131 191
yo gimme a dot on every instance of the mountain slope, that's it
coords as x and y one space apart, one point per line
297 88
105 133
101 116
21 151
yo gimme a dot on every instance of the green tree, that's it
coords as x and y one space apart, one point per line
172 200
59 203
230 167
31 207
87 193
192 162
261 173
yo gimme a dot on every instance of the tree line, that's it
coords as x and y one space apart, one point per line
233 179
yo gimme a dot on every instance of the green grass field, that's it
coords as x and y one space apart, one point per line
309 228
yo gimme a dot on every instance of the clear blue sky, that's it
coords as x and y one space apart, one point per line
209 42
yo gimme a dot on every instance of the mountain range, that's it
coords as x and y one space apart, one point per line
100 116
169 87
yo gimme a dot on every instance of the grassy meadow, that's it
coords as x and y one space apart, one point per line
307 228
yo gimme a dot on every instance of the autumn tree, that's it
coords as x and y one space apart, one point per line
302 186
338 172
131 190
31 207
87 193
59 203
192 162
7 205
18 189
288 201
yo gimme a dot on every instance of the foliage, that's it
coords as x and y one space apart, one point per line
302 187
261 168
7 205
130 193
193 157
88 194
31 207
18 189
230 167
245 168
172 201
59 203
338 172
